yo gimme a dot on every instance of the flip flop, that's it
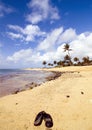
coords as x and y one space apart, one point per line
48 120
39 118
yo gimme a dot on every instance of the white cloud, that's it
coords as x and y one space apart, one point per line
16 28
31 31
20 55
67 36
81 46
51 39
50 56
41 10
25 34
30 57
57 36
5 9
15 36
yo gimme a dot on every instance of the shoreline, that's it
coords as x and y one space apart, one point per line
27 86
68 99
33 85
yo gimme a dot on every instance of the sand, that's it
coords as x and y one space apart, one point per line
68 99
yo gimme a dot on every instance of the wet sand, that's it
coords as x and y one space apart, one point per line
68 99
17 82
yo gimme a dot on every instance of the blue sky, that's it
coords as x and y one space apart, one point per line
32 31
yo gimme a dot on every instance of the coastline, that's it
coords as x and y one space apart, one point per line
68 99
16 82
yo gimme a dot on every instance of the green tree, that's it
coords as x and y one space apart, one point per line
76 59
67 60
67 48
86 60
49 64
54 62
60 63
44 63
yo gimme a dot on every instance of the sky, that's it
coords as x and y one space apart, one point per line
33 31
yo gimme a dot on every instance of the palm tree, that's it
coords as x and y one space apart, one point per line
86 60
67 48
49 64
67 60
76 59
44 63
60 63
54 62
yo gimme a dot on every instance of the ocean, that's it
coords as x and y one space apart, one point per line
9 71
12 80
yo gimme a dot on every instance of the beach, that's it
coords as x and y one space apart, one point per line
68 99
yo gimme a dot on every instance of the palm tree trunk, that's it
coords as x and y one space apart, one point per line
70 58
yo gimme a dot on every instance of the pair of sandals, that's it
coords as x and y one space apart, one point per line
43 116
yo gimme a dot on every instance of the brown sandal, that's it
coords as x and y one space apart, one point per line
39 118
48 120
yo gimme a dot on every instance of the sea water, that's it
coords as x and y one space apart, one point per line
13 79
